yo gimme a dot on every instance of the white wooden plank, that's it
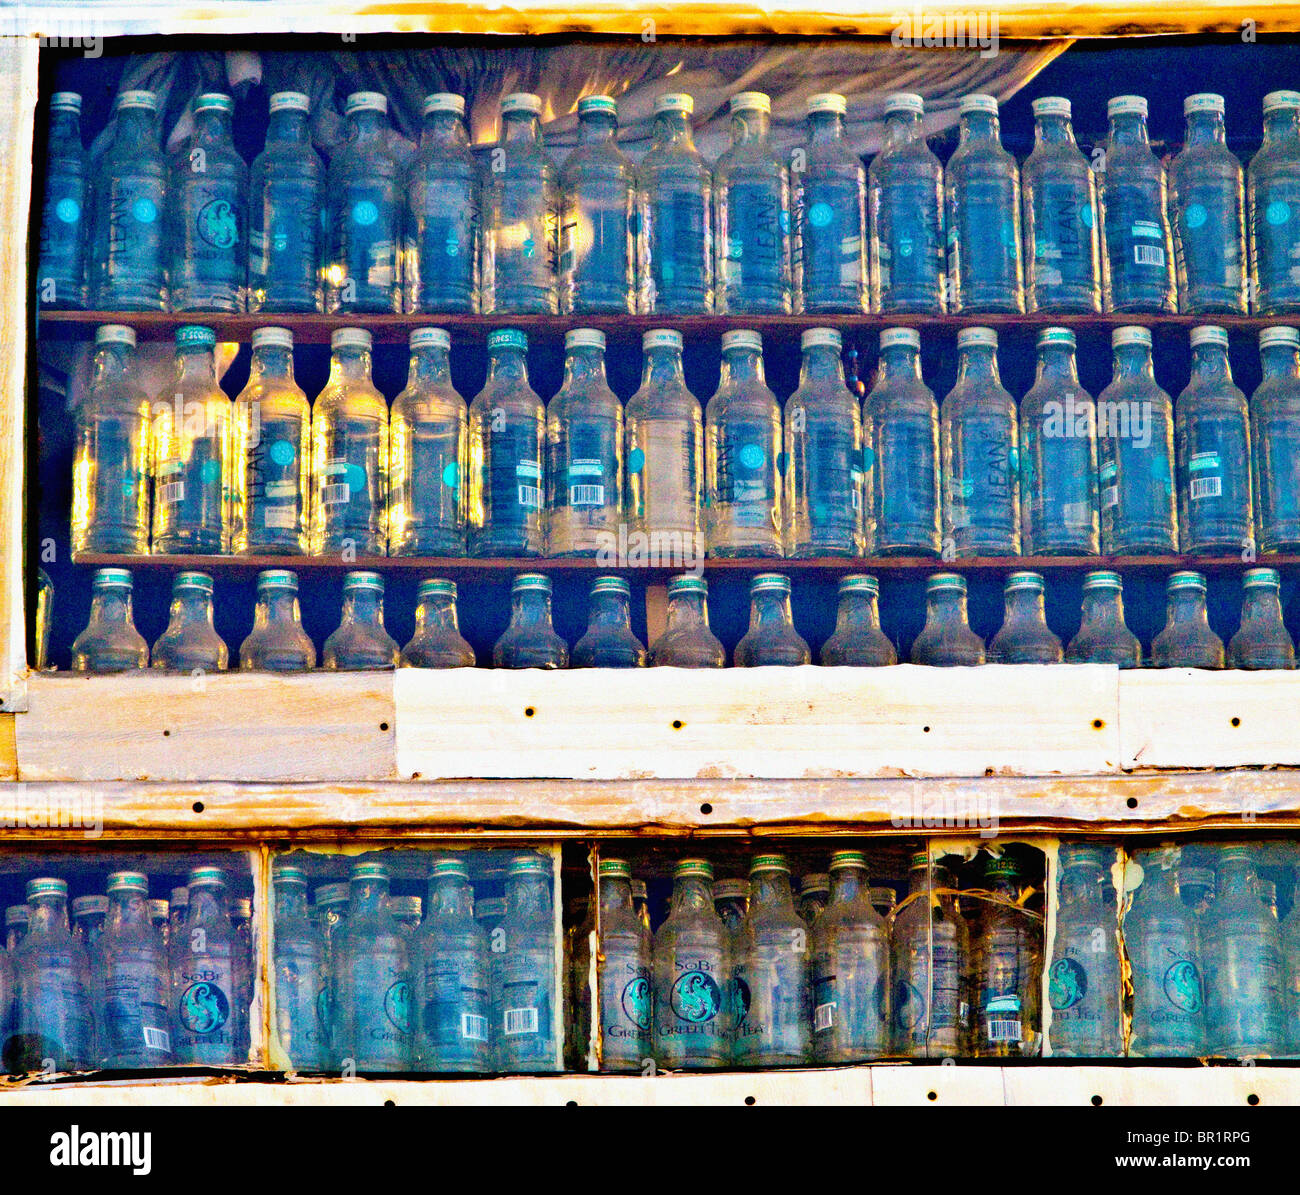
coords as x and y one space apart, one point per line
937 1085
1152 1086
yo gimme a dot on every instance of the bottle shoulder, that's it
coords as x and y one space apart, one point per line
663 402
418 405
753 401
896 396
507 396
356 400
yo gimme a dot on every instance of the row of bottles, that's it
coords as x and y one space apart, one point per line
751 233
1131 473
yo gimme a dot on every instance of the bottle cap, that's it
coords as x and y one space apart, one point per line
529 865
661 338
1055 336
111 578
1235 854
751 101
206 877
900 338
939 581
730 890
429 338
977 103
531 581
17 915
350 338
1279 334
241 907
1102 579
639 892
1281 99
195 336
817 881
491 908
159 910
1186 580
332 894
605 105
904 101
290 101
742 338
827 101
1204 102
969 337
859 583
214 101
841 859
696 869
137 99
882 896
1024 580
115 334
46 886
1261 578
1130 334
1126 105
611 585
618 869
675 101
279 338
180 898
1051 105
1197 877
451 867
288 873
687 584
277 578
444 101
507 338
1209 334
406 906
437 587
584 338
363 580
366 870
769 863
69 101
188 580
774 582
125 881
91 906
521 101
1005 866
1082 856
366 101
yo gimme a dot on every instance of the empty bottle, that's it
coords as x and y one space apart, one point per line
301 975
65 218
1135 454
1262 640
980 454
349 453
286 198
742 444
609 641
858 640
1103 636
1212 437
827 482
814 892
1083 978
1062 258
530 641
584 451
1273 208
1058 455
110 642
751 197
687 641
624 976
125 265
982 201
1133 197
190 643
444 205
1207 211
427 455
903 422
360 643
364 212
1024 637
1187 640
207 1018
1275 440
946 640
771 638
829 251
1008 966
110 472
207 213
133 980
277 642
524 972
437 642
905 201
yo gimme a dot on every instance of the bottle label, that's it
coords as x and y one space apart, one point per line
584 463
368 234
981 491
285 248
1276 221
135 236
1135 234
679 246
695 997
753 239
1206 480
529 475
746 473
1063 223
447 243
1209 222
336 489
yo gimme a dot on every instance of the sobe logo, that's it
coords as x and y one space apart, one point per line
217 225
1183 986
696 998
204 1008
397 1005
636 1002
1067 984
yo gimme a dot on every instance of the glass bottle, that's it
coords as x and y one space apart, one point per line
1212 436
331 910
507 431
241 921
883 899
858 640
687 641
624 975
17 919
584 451
191 446
349 431
360 643
125 265
1103 636
364 212
110 642
903 422
530 641
190 643
277 642
407 912
286 196
1058 455
827 454
674 216
88 916
428 455
522 200
579 950
980 454
1187 640
133 980
814 893
1008 967
905 200
207 213
524 973
829 251
1062 259
160 919
1275 440
751 196
61 266
609 641
301 975
1024 637
444 205
44 619
742 444
771 638
110 471
1133 195
731 901
982 200
1262 640
1083 978
1273 199
1135 454
272 453
1196 889
1207 210
946 640
207 1019
437 642
177 907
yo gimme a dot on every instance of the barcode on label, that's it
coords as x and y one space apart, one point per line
530 496
280 517
1003 1030
1206 487
520 1020
1110 496
474 1027
1149 255
171 491
823 1017
586 495
333 495
157 1039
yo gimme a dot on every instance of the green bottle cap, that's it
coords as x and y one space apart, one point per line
214 101
611 585
1186 580
288 873
364 872
1025 580
206 877
438 587
507 338
770 582
525 581
111 578
363 580
1261 578
127 881
769 863
200 581
529 865
450 867
1003 867
46 886
847 859
1103 579
195 336
920 861
277 578
1082 856
597 104
678 585
618 869
699 869
859 583
1056 336
941 581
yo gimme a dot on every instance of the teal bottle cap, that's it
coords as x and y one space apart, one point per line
277 578
774 582
46 886
206 877
1025 580
199 581
444 101
137 99
91 906
611 585
368 870
859 583
288 873
507 338
527 581
111 578
1061 336
450 867
127 881
1186 580
1102 579
195 336
438 587
529 865
211 101
1082 856
332 894
1261 578
937 582
68 101
687 584
521 101
618 869
363 580
605 105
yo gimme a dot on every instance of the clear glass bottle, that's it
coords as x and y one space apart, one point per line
982 200
111 462
530 641
771 638
1135 454
1103 636
1273 208
828 486
61 265
133 980
905 201
160 919
1062 258
44 619
428 455
1212 437
902 419
624 974
751 197
1262 640
177 907
1008 966
331 912
1207 211
1083 977
1187 640
946 640
349 432
191 643
507 432
443 229
1024 637
687 641
360 643
1275 440
524 972
742 444
206 1016
277 642
814 893
858 640
110 642
286 196
674 216
609 641
207 213
979 440
437 642
17 918
407 911
301 975
584 452
88 916
191 444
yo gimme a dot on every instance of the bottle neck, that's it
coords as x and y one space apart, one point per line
900 361
65 126
663 366
1057 362
857 612
1210 363
113 363
673 128
1134 361
521 128
847 884
1261 605
1129 129
1053 130
1237 878
610 610
947 608
980 126
901 128
822 363
1025 607
1280 361
127 909
367 896
368 124
825 128
770 890
767 609
978 363
1188 608
1206 128
528 895
196 365
750 127
1282 127
687 610
278 606
615 896
47 915
1102 608
584 369
290 902
741 365
430 367
207 905
508 364
192 606
531 608
436 611
443 128
135 125
451 896
1081 886
270 364
211 126
691 892
596 128
287 126
111 607
364 606
349 365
